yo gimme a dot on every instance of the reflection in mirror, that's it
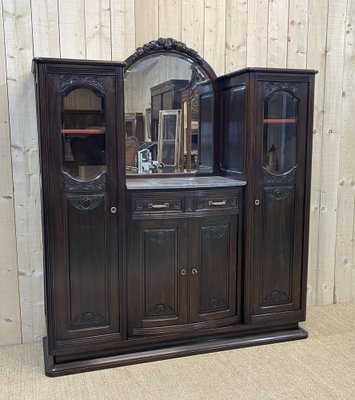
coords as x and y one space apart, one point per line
162 111
280 132
83 134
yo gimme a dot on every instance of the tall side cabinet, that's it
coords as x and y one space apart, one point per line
80 111
266 125
147 266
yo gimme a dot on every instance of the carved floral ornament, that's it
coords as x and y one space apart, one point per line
64 83
162 44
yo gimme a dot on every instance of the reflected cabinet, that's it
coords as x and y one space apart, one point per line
175 206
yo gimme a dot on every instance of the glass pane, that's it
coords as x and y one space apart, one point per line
233 126
280 131
83 133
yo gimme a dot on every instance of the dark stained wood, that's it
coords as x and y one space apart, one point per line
201 346
214 268
81 233
181 271
159 260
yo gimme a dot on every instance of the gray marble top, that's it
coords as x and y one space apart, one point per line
181 182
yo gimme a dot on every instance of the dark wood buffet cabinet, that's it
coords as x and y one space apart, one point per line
147 262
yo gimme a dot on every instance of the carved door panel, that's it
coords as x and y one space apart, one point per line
159 278
213 269
82 209
279 196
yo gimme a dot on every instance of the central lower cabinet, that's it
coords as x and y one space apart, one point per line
185 261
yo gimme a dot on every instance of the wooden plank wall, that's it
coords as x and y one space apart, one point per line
229 34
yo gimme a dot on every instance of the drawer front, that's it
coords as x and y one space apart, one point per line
216 201
158 204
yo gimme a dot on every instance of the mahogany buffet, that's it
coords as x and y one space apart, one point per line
175 206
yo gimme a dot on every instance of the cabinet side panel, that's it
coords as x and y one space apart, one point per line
87 261
276 245
214 281
160 271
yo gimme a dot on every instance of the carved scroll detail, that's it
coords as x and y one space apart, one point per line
64 82
278 193
216 232
88 318
213 304
160 237
288 177
85 203
274 86
73 185
160 310
276 297
166 44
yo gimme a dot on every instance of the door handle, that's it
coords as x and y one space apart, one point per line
194 271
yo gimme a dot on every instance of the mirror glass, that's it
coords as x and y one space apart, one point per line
165 125
83 134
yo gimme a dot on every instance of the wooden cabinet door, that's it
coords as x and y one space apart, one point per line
81 191
213 268
279 202
159 278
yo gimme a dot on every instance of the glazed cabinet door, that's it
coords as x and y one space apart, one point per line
81 186
279 196
159 278
214 279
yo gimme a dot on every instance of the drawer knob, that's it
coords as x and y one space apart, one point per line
217 203
183 272
158 206
257 202
194 271
113 210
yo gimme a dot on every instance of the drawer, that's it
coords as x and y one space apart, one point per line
216 201
158 204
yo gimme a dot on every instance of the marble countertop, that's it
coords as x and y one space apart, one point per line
181 182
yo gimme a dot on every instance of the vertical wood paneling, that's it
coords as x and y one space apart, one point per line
236 34
258 16
98 29
229 35
146 21
215 37
193 22
10 321
122 29
72 28
170 18
277 33
19 52
330 150
45 28
316 59
345 262
297 33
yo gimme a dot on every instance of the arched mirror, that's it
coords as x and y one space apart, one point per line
169 116
83 134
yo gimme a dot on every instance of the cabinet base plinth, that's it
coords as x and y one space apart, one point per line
53 369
